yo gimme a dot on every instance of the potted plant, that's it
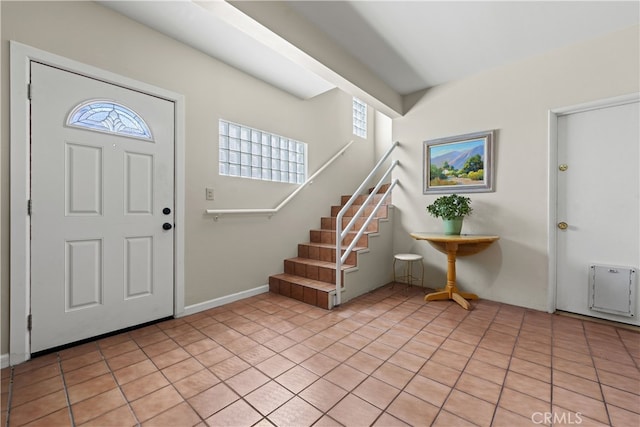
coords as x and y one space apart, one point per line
452 209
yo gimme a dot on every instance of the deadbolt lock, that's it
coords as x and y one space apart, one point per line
563 167
563 225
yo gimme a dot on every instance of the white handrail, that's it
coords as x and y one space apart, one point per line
340 234
369 218
273 211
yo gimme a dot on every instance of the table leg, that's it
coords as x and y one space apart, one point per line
460 300
451 291
468 295
437 296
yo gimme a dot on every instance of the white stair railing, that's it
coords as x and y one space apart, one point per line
341 234
273 211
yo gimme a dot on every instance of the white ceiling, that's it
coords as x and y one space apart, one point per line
406 45
413 45
213 28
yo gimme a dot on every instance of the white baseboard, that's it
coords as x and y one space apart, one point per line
4 361
196 308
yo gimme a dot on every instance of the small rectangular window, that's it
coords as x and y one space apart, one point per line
359 118
256 154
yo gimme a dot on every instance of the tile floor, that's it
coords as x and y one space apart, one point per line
384 359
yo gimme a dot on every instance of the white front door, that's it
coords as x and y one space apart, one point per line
102 192
598 199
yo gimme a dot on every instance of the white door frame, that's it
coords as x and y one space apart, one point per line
20 57
553 180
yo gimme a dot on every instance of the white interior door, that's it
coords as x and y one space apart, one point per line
102 195
598 199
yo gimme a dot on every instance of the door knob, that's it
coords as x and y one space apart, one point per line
166 211
563 225
167 226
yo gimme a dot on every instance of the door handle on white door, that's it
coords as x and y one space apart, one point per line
167 226
563 225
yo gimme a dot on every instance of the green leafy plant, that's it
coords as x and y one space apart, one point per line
450 207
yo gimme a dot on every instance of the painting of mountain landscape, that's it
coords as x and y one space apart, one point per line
458 164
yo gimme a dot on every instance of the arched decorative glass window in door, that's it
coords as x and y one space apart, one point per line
110 117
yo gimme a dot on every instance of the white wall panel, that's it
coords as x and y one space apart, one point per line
83 180
84 267
138 181
138 266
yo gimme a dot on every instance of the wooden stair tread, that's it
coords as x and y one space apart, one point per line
383 188
329 224
381 214
346 217
332 246
310 283
333 230
317 262
359 200
354 207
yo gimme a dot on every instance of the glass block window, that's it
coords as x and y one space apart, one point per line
359 118
109 117
251 153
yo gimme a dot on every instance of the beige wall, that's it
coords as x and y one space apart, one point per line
514 100
232 254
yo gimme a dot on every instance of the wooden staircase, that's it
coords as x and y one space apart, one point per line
311 276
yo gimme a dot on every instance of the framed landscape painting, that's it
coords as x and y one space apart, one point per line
459 164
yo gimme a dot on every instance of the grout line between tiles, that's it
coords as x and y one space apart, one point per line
506 371
323 413
417 372
626 347
171 383
66 391
606 407
383 410
371 374
113 376
9 397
